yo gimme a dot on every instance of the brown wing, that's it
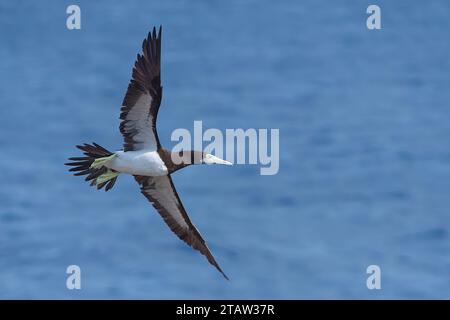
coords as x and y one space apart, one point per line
143 98
161 192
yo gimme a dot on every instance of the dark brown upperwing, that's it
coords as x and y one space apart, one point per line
143 98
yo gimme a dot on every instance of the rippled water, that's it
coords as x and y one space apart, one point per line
364 125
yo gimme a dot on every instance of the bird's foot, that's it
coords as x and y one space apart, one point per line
100 162
106 177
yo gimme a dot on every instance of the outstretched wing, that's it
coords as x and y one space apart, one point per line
161 192
141 103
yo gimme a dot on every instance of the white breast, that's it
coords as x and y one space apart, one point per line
142 162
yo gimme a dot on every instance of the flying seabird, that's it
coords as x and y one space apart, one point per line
142 155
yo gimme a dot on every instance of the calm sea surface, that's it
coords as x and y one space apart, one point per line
364 120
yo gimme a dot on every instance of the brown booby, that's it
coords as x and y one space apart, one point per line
142 155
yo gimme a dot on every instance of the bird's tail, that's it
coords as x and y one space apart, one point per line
93 165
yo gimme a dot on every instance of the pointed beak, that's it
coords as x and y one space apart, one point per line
210 159
225 162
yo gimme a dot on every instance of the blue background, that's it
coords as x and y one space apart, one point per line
364 125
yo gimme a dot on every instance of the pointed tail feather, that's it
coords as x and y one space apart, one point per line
84 166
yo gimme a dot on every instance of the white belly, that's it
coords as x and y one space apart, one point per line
142 163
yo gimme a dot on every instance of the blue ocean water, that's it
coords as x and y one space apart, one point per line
364 124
